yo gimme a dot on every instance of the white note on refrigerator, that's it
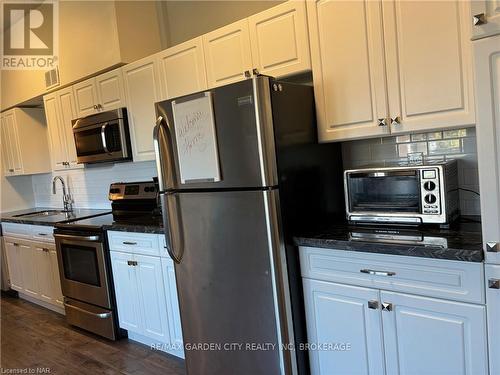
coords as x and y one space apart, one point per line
194 125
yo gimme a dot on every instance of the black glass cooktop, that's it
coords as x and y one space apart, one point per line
99 222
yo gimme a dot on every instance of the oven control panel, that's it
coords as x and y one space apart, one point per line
132 190
429 187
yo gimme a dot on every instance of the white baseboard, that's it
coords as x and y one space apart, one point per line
155 345
36 301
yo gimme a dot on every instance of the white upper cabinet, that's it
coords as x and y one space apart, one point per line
279 39
227 54
110 91
390 67
487 70
182 69
348 68
485 18
429 64
431 336
60 110
25 148
142 91
85 98
101 93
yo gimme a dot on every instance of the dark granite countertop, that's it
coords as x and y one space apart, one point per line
462 241
76 214
138 228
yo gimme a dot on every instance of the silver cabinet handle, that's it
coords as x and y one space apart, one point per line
15 244
129 243
11 170
101 316
494 283
396 120
95 106
247 74
255 71
42 234
132 262
373 305
386 306
45 250
492 247
377 273
479 19
382 122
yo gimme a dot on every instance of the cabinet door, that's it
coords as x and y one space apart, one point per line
174 315
67 113
348 68
227 54
340 314
8 169
56 137
152 297
43 272
110 92
431 336
127 295
485 16
12 251
13 137
182 69
29 269
493 306
487 71
85 98
142 88
279 39
56 292
429 64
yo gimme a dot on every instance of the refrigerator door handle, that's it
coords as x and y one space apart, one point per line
174 237
162 140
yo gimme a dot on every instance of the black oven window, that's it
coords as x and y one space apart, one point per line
385 194
80 264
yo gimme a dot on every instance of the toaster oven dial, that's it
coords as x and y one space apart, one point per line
430 199
429 185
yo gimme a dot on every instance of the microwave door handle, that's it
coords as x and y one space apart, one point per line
103 137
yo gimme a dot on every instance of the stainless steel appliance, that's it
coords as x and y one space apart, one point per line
86 277
408 194
231 235
103 137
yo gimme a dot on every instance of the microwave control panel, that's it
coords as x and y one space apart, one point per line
429 188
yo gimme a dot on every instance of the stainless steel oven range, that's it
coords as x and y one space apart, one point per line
85 275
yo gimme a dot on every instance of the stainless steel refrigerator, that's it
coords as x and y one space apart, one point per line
240 172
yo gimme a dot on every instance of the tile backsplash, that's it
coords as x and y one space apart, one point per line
89 186
457 144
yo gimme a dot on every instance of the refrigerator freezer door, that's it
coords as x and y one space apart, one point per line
230 290
244 136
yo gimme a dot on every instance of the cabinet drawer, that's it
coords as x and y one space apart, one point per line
17 230
455 280
137 243
42 233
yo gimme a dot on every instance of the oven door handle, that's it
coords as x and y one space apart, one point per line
103 137
77 238
101 316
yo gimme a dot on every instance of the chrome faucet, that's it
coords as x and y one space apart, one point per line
67 199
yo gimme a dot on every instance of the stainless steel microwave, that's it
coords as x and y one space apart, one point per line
410 195
103 137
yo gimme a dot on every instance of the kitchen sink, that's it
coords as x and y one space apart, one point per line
42 213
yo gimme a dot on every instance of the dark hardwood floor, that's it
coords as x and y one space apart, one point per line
35 338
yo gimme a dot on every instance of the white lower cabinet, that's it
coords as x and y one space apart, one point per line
34 271
433 337
492 273
342 315
146 292
359 330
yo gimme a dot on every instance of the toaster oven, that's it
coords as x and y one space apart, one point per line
410 195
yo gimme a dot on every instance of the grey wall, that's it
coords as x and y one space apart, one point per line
457 144
184 20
